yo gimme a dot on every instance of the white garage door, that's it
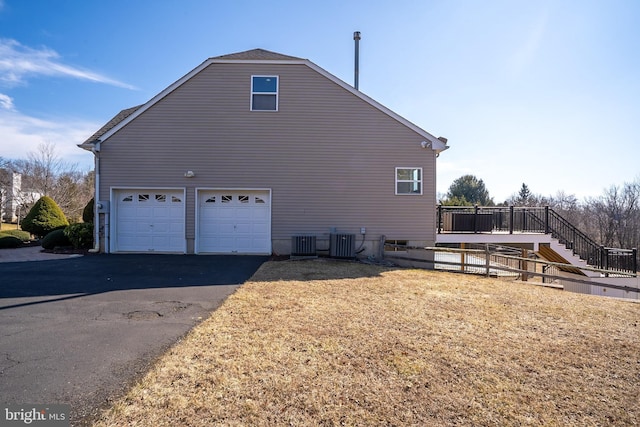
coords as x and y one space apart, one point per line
234 221
149 221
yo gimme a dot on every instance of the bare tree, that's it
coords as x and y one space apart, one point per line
615 216
568 207
47 174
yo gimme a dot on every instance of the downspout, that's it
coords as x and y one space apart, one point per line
96 215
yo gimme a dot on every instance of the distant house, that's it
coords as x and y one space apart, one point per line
13 198
250 149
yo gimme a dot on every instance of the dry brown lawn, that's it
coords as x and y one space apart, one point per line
323 343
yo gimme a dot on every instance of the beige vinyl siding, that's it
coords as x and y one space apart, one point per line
328 157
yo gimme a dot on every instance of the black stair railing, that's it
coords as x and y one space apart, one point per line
569 235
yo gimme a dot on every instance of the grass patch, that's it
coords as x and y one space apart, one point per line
20 234
332 343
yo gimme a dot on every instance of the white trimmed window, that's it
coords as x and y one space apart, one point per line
408 181
264 93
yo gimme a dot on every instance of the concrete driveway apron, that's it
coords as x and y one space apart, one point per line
79 331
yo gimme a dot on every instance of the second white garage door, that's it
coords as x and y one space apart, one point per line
234 221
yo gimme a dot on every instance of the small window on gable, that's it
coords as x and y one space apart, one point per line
128 198
175 199
143 197
408 181
264 93
161 197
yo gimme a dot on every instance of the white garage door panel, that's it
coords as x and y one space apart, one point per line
149 221
234 221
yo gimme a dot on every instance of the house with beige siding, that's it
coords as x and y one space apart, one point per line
248 152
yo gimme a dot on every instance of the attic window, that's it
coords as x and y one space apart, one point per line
264 93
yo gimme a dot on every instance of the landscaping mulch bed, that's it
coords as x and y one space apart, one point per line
327 343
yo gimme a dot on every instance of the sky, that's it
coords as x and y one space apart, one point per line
545 92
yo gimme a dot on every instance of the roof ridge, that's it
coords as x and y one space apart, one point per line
257 54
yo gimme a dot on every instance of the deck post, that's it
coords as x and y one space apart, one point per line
475 219
439 219
546 220
525 265
486 258
462 257
603 260
511 219
635 260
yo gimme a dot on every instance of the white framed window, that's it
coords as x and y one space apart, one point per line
408 181
264 93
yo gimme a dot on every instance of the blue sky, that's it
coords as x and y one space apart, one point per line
542 92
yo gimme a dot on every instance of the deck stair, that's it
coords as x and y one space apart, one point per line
549 254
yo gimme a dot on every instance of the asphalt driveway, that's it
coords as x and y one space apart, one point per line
79 331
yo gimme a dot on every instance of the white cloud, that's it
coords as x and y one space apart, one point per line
21 134
17 62
6 102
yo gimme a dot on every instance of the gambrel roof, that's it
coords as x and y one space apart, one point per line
258 56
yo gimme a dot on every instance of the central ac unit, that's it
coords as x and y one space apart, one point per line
303 245
342 245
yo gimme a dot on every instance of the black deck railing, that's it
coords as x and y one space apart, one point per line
512 219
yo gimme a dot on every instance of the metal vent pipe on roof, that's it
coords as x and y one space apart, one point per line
356 37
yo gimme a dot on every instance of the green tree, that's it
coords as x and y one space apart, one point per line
468 190
44 217
524 196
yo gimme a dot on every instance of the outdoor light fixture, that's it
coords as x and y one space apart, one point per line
189 174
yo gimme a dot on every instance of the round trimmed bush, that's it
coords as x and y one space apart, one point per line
20 234
7 241
54 239
44 217
80 235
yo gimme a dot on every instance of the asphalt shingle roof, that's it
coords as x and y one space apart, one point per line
112 123
257 55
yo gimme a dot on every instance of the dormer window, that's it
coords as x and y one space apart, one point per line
264 93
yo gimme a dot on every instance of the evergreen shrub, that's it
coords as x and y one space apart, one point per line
7 242
44 217
88 212
56 238
80 235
